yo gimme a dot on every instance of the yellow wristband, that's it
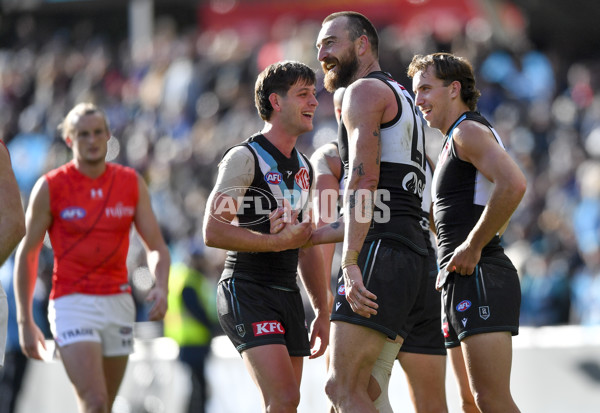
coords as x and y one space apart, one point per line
349 258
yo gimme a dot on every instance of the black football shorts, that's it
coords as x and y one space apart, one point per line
253 314
489 300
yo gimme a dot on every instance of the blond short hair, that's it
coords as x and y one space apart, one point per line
67 126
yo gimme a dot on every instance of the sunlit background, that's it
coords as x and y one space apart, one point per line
176 80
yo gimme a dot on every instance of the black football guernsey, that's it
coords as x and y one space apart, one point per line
460 193
276 177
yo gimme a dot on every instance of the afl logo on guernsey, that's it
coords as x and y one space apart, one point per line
303 179
273 178
463 306
72 213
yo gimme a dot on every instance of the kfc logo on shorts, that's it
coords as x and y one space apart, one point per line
342 289
274 178
463 306
303 179
263 328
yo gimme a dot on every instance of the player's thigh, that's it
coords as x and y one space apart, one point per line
426 378
462 379
424 371
273 370
114 371
488 359
83 363
354 350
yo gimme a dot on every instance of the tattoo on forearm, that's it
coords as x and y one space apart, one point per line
360 170
378 157
335 225
367 209
352 201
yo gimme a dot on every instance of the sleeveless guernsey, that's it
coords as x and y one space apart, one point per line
397 212
91 222
275 178
460 193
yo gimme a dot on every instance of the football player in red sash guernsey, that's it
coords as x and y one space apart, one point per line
88 206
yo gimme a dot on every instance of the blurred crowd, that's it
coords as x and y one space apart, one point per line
176 105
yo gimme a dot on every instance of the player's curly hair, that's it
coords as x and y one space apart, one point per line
278 78
449 68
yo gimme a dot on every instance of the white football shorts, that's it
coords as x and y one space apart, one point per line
105 319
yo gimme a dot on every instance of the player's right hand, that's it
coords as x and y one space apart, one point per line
277 220
294 234
30 338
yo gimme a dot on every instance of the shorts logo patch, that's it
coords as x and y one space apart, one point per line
273 178
337 305
484 312
445 330
263 328
342 289
77 332
464 321
463 306
241 330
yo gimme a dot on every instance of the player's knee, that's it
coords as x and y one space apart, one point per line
433 405
468 406
95 402
484 404
382 370
333 391
489 401
284 401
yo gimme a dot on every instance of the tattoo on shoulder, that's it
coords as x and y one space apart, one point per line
360 170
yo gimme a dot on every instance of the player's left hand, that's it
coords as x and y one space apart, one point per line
159 307
319 335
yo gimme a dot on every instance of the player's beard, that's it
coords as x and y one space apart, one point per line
347 68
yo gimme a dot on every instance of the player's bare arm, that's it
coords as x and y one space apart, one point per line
315 278
219 228
38 219
12 219
475 144
367 104
157 253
